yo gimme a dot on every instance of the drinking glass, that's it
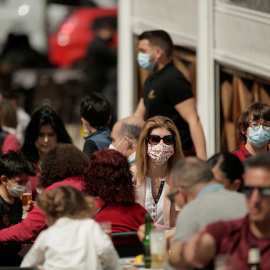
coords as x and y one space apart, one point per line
106 227
26 197
224 262
158 247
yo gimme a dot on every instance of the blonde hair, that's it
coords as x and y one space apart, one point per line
65 201
141 152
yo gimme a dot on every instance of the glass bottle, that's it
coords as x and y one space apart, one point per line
254 257
146 242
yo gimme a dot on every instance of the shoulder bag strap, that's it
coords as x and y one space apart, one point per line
99 210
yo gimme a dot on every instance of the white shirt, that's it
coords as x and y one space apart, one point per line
155 210
72 244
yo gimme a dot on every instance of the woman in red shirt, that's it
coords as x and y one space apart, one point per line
109 179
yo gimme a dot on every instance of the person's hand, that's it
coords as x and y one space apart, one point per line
141 232
191 247
30 206
40 267
169 236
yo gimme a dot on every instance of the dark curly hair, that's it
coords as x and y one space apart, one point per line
43 116
61 162
108 176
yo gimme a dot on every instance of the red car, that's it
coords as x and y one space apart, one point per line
69 45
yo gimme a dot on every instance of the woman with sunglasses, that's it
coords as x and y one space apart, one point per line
158 149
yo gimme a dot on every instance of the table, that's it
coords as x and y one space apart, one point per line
127 264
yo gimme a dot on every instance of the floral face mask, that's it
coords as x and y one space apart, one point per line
160 153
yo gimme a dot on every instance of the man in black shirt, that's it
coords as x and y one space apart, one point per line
167 92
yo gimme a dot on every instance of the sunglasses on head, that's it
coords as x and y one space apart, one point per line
155 139
263 191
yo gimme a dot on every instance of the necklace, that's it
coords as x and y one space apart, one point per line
156 184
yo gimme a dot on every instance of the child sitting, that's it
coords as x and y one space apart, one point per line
73 240
96 115
14 174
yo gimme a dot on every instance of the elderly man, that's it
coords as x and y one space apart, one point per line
234 237
125 136
202 199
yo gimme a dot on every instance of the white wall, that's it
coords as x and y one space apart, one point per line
178 17
220 33
242 38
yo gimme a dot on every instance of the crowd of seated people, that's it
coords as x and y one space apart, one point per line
62 165
142 171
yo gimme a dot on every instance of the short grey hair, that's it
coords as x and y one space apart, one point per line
259 161
191 171
131 131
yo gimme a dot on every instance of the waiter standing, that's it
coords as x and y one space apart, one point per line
167 92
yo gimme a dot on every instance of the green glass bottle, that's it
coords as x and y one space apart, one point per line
146 242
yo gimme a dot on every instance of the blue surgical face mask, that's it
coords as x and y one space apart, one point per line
144 61
258 137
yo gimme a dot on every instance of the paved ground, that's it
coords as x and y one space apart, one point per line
74 132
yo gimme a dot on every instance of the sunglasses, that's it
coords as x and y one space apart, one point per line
263 191
175 191
155 139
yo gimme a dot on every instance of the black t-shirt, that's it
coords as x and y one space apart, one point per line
162 91
99 60
9 258
10 214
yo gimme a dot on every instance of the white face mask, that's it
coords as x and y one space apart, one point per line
112 147
115 148
86 130
16 190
